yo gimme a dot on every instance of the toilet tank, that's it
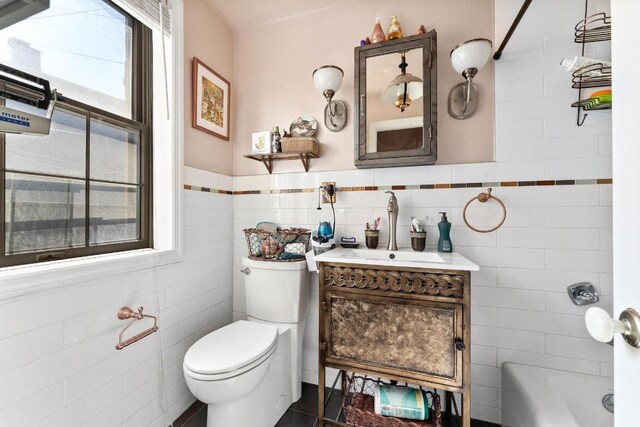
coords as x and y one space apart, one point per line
276 291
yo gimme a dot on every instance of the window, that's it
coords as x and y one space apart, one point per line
83 47
86 188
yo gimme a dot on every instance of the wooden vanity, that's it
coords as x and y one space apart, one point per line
396 321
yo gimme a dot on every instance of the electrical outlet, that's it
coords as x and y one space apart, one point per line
325 194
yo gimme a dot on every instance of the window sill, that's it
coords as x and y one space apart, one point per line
28 279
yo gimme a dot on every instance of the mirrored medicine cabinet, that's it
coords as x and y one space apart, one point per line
396 102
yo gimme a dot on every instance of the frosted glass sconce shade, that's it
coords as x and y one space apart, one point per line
395 90
414 90
328 80
404 89
467 59
471 54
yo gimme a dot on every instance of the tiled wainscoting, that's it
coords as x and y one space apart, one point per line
58 363
554 235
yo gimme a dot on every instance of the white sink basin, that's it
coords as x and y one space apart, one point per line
398 256
404 257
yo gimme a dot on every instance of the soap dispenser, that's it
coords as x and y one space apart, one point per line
444 242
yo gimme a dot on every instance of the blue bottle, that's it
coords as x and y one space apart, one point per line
444 242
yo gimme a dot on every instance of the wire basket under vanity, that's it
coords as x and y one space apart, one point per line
358 406
269 246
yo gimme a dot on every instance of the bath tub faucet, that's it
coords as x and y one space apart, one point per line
583 293
392 210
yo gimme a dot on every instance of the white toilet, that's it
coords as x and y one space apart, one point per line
249 372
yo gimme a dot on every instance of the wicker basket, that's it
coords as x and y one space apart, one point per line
358 405
266 246
300 144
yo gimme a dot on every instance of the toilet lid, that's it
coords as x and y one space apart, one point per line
230 348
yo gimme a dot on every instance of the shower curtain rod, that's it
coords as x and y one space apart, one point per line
513 27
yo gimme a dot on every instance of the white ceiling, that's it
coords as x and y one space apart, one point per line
241 14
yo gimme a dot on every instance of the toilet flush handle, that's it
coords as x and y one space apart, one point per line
246 271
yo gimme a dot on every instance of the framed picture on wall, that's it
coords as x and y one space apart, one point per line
211 95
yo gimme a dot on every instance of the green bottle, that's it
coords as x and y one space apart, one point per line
444 242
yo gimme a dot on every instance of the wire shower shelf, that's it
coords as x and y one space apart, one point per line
593 28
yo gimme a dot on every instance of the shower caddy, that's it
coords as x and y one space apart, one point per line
592 29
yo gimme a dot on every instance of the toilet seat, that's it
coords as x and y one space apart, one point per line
230 351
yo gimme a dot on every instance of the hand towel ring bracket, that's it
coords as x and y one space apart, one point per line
483 198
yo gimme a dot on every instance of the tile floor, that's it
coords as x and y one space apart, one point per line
302 413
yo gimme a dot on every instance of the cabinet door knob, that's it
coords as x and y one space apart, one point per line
460 345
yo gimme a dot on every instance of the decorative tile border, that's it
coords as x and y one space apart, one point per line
474 185
543 183
207 190
276 191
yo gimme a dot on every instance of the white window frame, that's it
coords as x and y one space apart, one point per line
168 161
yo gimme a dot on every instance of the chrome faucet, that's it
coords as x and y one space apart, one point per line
392 210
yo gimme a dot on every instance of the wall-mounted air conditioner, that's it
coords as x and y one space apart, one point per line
16 85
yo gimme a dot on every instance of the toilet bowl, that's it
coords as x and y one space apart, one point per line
249 372
224 376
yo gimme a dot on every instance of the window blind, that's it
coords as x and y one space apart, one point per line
149 10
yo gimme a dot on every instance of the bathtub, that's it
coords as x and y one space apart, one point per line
539 397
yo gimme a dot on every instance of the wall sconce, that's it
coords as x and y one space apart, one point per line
404 89
467 59
328 80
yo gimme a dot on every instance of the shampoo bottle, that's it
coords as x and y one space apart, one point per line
444 242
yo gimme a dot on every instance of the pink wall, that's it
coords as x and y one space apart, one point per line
208 38
273 84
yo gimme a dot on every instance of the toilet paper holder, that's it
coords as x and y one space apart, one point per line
127 313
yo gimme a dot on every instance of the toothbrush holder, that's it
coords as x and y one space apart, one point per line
371 238
418 240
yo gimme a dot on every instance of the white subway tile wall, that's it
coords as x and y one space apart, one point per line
520 308
58 362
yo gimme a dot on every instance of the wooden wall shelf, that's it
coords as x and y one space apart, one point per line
268 158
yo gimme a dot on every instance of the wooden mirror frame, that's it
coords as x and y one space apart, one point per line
426 155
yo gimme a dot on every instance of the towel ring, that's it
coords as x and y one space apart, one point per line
483 198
